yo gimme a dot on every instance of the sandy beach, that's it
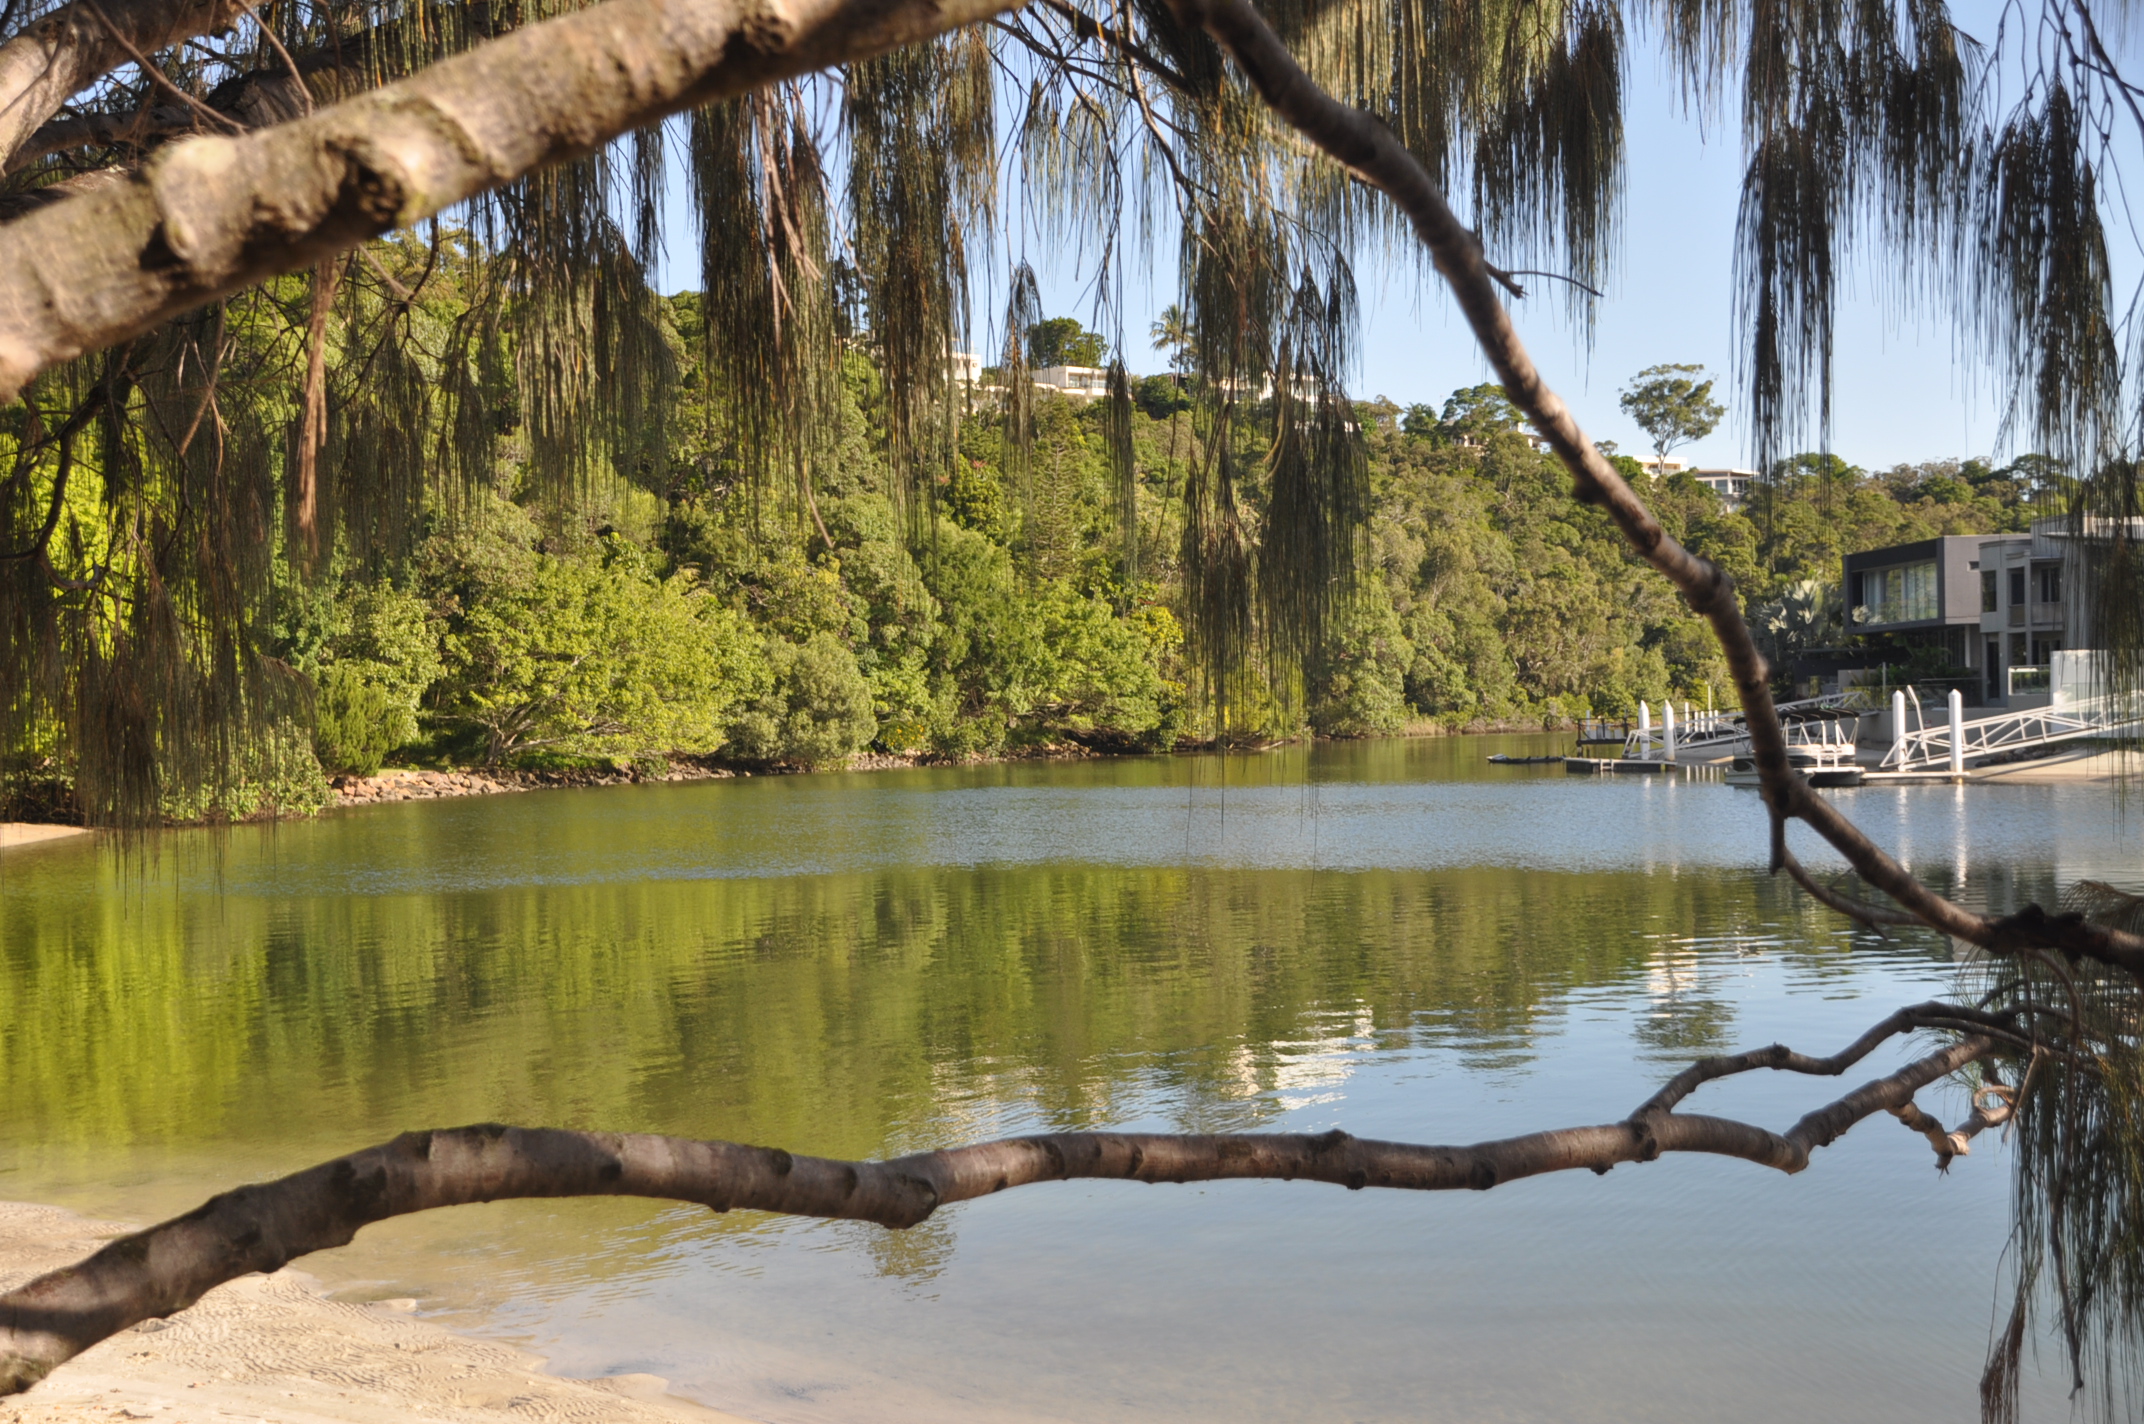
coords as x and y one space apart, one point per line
22 833
274 1349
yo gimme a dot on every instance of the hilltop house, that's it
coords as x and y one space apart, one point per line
1730 485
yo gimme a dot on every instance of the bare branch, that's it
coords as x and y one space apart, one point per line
163 1270
1874 917
135 126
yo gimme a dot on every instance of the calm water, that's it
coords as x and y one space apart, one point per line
1392 937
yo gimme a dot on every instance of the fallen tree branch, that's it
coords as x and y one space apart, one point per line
1361 143
210 215
167 1268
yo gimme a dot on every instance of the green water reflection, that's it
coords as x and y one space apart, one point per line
831 1013
866 965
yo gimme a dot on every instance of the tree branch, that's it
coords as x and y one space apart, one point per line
52 60
1362 144
255 98
166 1268
208 216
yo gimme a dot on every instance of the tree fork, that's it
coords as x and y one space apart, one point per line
45 65
168 1267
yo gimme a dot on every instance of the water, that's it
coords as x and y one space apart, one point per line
1392 937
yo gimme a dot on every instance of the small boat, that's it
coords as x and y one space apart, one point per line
1824 766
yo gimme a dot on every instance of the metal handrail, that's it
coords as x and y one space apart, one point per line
1926 747
1715 734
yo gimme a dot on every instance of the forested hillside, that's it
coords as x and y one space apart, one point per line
660 600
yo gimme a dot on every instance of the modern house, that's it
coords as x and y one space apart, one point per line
2005 605
2024 618
1924 594
1079 382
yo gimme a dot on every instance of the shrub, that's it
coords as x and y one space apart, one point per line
357 721
818 710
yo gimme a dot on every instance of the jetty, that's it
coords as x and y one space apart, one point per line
1846 738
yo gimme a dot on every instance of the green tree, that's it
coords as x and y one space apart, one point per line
597 657
816 711
1062 341
1478 412
1672 406
1171 332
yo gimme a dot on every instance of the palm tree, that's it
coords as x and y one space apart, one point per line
1172 333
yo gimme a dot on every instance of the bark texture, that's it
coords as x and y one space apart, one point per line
259 1228
210 215
51 61
1363 144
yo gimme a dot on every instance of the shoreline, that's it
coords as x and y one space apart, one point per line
393 784
276 1349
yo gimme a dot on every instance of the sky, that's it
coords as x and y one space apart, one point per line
1901 393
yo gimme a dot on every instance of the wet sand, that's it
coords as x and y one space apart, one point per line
274 1349
19 833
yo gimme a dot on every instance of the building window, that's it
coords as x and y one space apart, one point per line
2017 587
2047 583
1905 594
1987 591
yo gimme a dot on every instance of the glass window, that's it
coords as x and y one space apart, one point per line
1987 591
1899 595
2047 580
2017 586
1920 590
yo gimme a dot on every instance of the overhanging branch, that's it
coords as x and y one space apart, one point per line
166 1268
1362 144
52 60
210 215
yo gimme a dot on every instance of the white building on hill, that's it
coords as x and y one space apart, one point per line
1729 484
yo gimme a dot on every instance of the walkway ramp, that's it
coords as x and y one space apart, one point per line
1928 748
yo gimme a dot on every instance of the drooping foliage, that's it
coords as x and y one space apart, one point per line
157 494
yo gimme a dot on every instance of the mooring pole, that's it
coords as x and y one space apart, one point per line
1667 726
1898 724
1957 732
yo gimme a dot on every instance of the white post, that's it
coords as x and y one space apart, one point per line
1645 731
1957 731
1667 726
1898 719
